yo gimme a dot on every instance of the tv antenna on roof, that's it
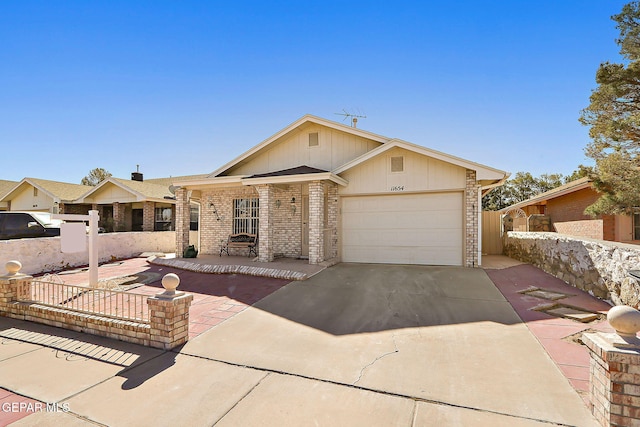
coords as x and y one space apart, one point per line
354 117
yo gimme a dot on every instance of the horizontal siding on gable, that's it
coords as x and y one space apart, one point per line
335 148
421 173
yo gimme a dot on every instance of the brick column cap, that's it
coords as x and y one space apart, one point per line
612 348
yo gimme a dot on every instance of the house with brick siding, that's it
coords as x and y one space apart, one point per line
565 207
322 190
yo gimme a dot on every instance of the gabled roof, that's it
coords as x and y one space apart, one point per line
62 191
484 174
308 118
6 186
570 187
140 189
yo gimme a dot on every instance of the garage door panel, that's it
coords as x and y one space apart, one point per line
409 220
404 229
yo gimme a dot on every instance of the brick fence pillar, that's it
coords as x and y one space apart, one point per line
615 369
14 287
169 315
471 220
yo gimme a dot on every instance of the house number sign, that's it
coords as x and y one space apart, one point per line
397 188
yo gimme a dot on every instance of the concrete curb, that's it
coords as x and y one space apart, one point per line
228 269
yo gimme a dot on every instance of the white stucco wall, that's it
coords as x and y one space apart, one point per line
43 254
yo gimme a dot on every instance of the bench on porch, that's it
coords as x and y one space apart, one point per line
242 241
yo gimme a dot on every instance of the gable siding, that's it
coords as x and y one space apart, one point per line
25 201
334 149
421 173
111 193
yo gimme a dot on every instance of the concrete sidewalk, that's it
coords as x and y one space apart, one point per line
354 345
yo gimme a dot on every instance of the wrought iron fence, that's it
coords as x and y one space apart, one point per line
104 302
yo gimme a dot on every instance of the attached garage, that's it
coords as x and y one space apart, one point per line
425 228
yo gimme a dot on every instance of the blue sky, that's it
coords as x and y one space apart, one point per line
183 87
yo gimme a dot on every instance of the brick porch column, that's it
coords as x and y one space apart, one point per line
169 315
332 218
182 221
148 216
265 234
316 222
118 216
471 220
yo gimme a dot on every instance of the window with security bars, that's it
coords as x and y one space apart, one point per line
246 214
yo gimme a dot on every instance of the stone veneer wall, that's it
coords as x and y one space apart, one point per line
596 266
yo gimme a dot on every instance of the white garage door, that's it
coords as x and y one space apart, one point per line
403 229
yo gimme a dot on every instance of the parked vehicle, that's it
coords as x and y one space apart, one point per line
19 225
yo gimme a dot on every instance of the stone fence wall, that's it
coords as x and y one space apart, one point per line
596 266
43 254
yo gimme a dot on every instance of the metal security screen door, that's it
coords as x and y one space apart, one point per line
246 213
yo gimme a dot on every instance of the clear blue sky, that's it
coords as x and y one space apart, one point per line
183 87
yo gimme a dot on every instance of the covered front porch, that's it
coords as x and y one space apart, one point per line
293 213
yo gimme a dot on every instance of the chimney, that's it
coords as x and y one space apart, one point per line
136 176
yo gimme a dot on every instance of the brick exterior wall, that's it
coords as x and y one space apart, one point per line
316 222
568 217
76 209
216 217
286 224
182 221
148 216
471 220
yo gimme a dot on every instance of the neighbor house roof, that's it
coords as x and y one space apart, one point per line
143 190
570 187
6 186
61 191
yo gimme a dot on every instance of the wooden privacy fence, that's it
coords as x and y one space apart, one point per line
491 233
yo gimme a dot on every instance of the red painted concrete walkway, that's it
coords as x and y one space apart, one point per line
553 332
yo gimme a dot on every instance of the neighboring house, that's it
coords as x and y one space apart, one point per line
565 207
321 190
123 205
132 205
33 194
5 187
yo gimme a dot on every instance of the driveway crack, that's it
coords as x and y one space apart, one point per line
382 356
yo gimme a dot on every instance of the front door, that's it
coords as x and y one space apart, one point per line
137 219
305 227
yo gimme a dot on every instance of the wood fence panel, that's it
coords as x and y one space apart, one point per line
491 233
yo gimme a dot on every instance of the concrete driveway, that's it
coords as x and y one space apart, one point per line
354 345
442 335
